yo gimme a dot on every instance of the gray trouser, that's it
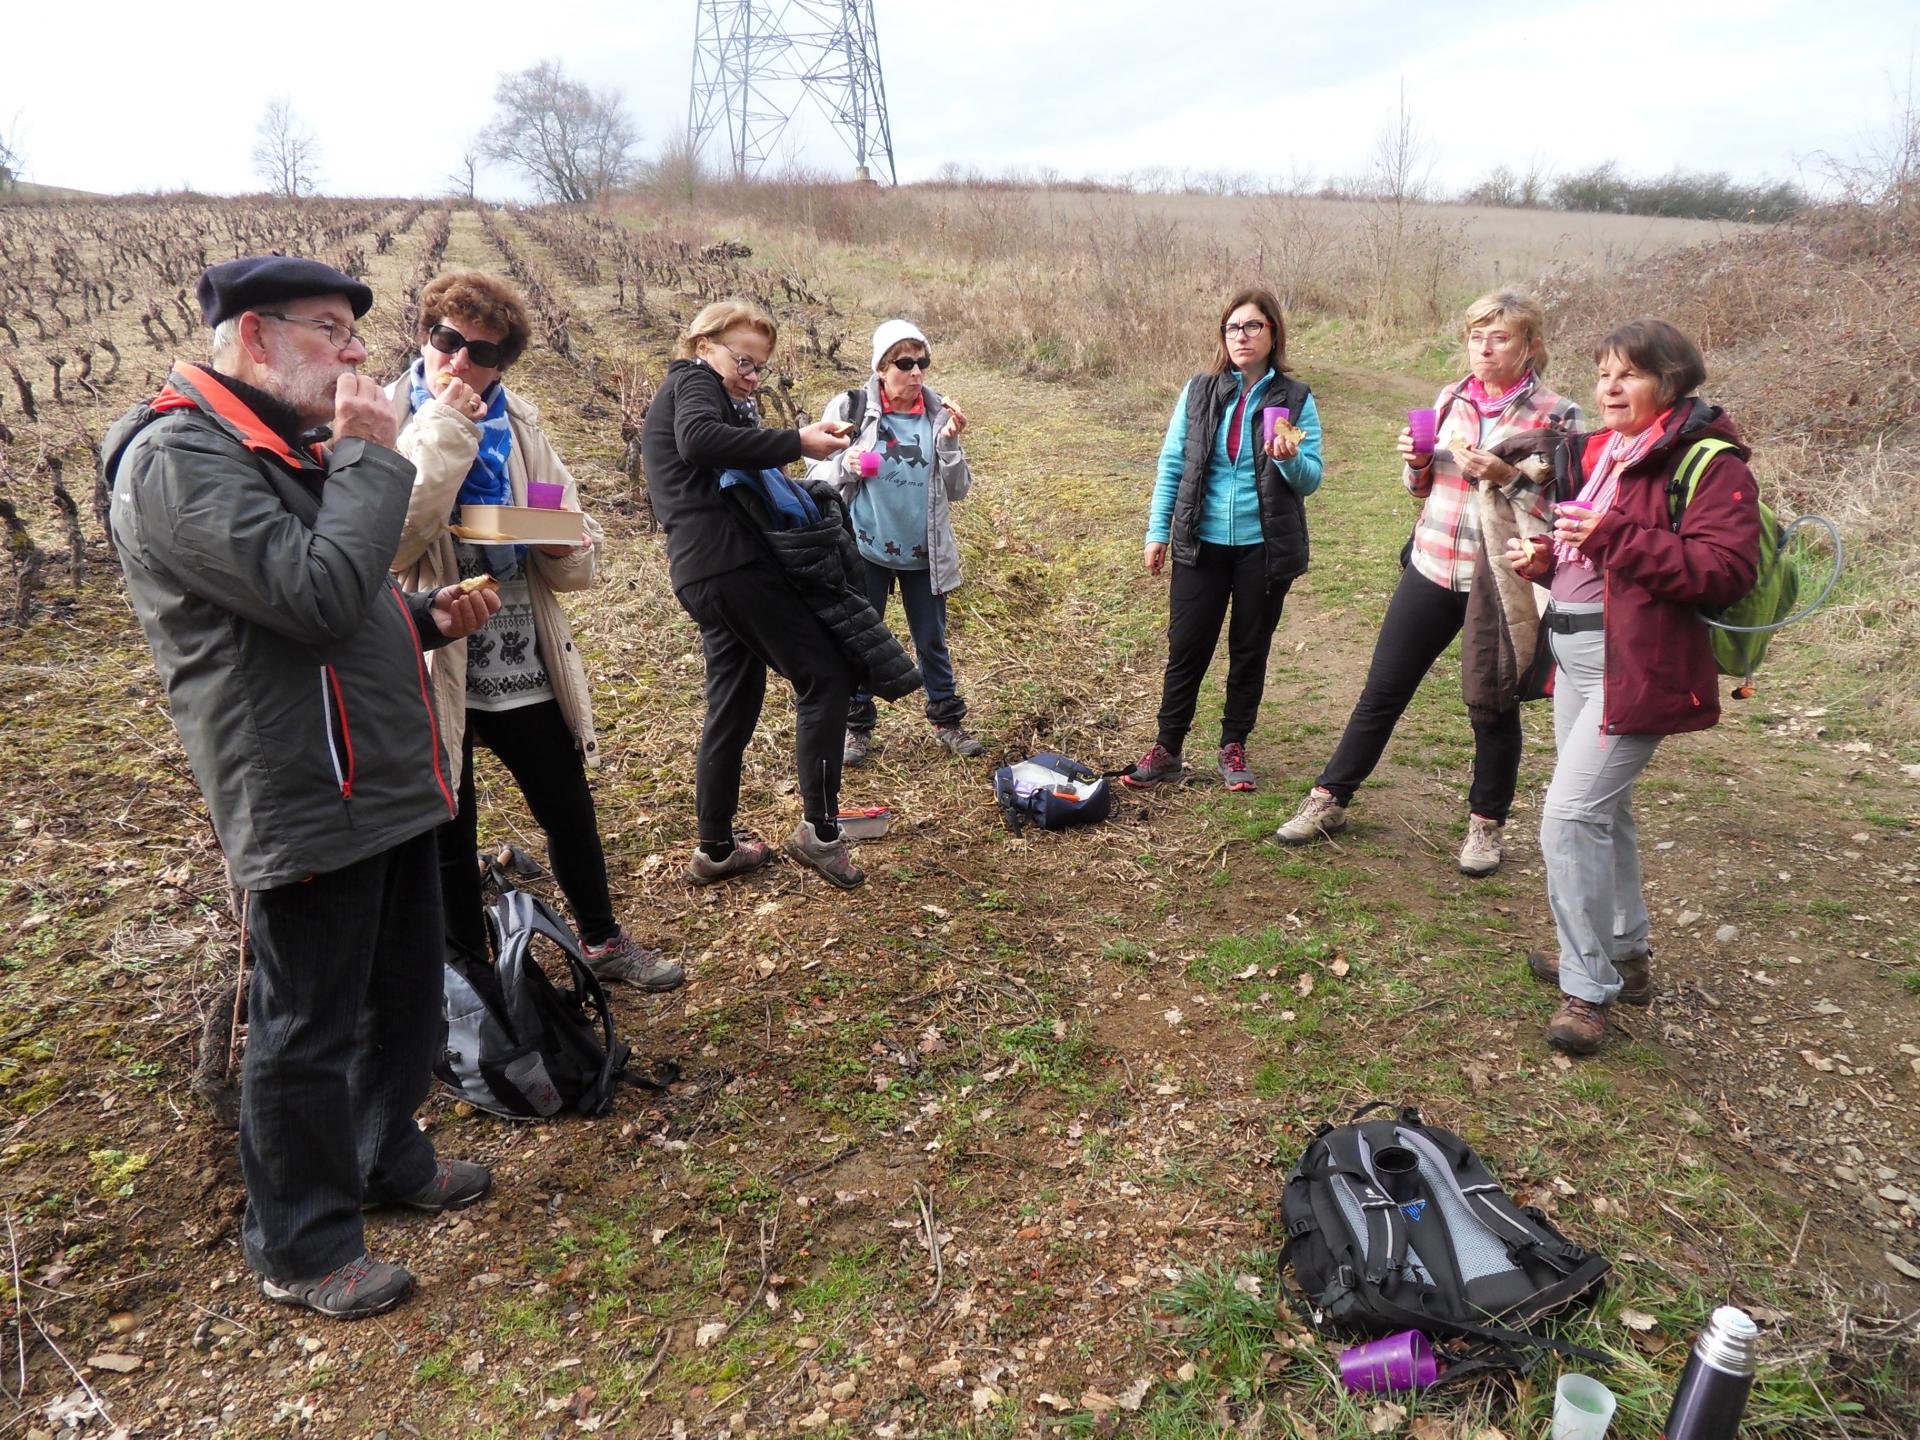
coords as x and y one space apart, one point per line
1587 834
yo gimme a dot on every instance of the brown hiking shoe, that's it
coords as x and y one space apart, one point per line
1579 1027
1319 816
1636 974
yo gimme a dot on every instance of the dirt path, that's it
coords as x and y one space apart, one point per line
996 1139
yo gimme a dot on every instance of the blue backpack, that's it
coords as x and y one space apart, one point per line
1052 792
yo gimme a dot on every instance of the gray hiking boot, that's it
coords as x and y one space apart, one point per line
1482 851
620 959
454 1185
354 1291
1235 772
1156 765
859 746
1319 816
1636 974
832 858
955 740
747 856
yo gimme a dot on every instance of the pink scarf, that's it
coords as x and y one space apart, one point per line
1474 392
1603 485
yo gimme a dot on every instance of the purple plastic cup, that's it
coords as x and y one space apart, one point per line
1270 419
869 464
543 495
1395 1362
1573 509
1422 423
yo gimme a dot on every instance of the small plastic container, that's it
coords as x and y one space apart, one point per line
869 463
1404 1361
1421 424
870 822
544 495
1582 1408
1271 419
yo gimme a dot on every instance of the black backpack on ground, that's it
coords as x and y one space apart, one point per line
518 1044
1395 1224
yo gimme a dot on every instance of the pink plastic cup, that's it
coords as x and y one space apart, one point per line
1573 509
1421 423
869 464
1270 419
1395 1362
543 495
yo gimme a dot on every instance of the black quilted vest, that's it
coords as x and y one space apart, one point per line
1283 516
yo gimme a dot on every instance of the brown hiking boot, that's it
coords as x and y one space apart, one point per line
1636 974
1580 1026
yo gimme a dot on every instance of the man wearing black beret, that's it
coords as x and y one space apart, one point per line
257 502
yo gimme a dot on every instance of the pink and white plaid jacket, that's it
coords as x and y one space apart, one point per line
1447 535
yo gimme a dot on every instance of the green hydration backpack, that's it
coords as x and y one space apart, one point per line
1740 631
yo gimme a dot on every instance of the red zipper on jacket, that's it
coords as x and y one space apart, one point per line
330 680
426 699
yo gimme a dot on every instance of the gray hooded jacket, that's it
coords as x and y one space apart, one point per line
291 661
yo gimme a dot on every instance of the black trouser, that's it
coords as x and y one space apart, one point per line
538 749
343 1023
1201 593
752 620
1422 619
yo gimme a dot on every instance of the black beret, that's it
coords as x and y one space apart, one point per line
251 281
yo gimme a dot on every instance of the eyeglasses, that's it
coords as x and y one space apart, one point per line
1252 329
332 327
448 341
912 362
746 364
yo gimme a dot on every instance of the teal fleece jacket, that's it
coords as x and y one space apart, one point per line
1232 513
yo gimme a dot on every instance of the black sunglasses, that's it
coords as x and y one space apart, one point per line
912 362
449 341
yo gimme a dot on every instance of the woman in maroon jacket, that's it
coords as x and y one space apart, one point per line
1633 658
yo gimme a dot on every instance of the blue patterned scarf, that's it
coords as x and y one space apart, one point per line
487 483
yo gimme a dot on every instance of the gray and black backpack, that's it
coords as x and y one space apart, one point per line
1394 1224
518 1042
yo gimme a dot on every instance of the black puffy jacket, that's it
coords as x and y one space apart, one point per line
1283 515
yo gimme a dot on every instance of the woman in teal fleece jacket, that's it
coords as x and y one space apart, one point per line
1227 507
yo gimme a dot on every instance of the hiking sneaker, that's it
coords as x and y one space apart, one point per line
1319 816
1156 765
1234 770
747 856
956 741
858 747
636 965
1579 1027
1636 974
454 1185
356 1290
1482 852
832 858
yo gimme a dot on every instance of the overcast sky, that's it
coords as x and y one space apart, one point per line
113 96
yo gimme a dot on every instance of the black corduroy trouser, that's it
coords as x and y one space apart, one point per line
343 1023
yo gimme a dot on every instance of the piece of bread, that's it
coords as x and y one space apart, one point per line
482 581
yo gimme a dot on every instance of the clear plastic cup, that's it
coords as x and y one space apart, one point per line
1421 423
1582 1408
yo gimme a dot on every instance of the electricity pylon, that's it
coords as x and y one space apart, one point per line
754 61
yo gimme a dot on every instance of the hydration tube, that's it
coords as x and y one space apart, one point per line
1833 578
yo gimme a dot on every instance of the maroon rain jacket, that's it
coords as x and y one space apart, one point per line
1661 676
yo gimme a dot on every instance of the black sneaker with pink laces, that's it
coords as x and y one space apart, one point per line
353 1291
1235 773
1156 765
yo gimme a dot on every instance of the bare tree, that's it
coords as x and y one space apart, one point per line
285 154
573 143
465 176
11 161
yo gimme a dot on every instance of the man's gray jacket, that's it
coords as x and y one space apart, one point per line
292 663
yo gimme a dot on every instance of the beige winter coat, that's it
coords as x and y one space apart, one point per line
442 443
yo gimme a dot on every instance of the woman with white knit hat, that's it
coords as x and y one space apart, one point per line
900 476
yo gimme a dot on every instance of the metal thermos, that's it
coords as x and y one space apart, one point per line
1719 1376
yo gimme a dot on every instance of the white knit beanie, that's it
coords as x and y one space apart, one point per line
890 334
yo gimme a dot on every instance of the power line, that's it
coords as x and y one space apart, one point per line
756 61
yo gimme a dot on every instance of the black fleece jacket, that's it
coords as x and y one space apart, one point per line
692 433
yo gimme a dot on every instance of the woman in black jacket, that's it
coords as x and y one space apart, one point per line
702 423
